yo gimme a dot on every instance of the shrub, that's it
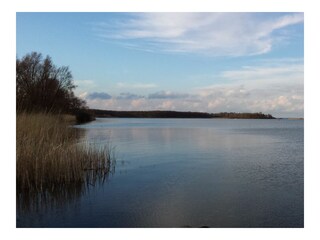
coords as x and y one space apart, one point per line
84 116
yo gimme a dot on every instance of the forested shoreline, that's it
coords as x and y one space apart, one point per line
177 114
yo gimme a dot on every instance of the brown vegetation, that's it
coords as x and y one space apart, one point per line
50 160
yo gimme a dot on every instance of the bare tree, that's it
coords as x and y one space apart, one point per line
41 86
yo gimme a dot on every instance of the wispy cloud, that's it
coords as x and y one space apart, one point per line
218 34
281 74
266 74
167 95
136 85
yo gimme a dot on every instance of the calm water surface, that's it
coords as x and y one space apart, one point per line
190 173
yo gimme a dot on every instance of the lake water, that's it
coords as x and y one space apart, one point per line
190 173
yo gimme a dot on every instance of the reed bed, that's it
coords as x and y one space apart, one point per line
50 161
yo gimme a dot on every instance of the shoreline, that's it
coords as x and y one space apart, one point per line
177 114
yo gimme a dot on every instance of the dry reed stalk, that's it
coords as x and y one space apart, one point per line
49 160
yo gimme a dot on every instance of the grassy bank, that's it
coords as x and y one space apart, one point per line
50 162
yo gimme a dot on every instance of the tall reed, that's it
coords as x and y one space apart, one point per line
50 161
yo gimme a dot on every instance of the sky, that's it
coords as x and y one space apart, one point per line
210 62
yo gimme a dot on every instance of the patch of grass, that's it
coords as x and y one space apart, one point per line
50 161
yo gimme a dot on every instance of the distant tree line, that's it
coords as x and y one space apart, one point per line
175 114
258 115
43 87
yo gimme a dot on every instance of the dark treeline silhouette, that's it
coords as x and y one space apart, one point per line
257 115
175 114
43 87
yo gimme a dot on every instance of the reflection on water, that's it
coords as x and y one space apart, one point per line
33 198
31 206
192 173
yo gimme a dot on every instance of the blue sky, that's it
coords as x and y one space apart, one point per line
176 61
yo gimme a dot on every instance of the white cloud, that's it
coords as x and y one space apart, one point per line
289 73
167 105
227 99
83 95
270 87
167 95
219 34
267 88
138 103
287 20
266 78
83 86
136 85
